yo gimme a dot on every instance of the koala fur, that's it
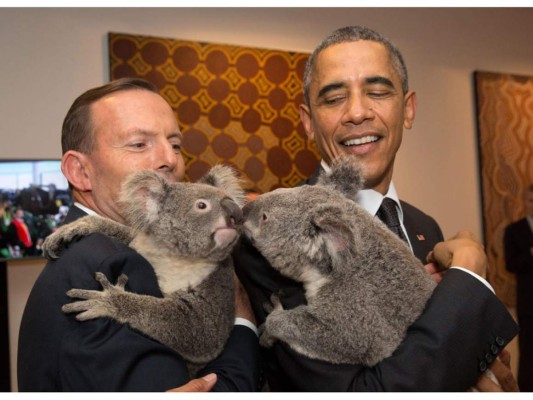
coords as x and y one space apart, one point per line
362 284
187 232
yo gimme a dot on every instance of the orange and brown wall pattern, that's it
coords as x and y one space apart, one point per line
235 105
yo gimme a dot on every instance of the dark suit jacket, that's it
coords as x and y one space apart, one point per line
462 329
58 353
518 240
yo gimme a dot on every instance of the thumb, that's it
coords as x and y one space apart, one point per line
204 384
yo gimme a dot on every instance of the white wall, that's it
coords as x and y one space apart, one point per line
51 55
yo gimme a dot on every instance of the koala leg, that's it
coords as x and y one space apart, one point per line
302 330
59 240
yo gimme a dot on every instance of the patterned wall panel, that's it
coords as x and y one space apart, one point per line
505 132
236 105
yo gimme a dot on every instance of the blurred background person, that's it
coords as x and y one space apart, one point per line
518 244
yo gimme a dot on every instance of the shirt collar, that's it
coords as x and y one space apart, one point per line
86 209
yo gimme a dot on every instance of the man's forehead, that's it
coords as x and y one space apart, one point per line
363 57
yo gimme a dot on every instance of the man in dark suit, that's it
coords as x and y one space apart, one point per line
357 102
518 244
108 133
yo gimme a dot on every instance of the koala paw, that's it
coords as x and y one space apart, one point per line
94 303
58 241
274 305
265 338
54 245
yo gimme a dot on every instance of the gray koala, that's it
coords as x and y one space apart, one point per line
187 232
362 284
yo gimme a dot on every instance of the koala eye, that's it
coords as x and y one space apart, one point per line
264 217
202 205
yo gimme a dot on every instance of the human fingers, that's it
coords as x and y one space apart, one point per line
462 250
203 384
434 271
501 368
486 384
243 308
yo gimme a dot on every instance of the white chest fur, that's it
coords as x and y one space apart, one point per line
173 272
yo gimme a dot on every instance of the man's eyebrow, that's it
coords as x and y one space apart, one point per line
379 80
177 135
330 87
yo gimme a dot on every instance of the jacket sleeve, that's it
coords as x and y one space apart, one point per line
237 368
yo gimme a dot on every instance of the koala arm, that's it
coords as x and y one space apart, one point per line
178 321
56 242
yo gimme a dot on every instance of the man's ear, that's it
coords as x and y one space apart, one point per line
305 117
74 166
410 110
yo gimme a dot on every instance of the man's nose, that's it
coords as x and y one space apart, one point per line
167 159
358 109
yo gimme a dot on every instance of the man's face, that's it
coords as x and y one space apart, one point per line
529 203
357 107
134 129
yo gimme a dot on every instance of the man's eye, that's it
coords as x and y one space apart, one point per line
333 100
379 94
176 147
138 145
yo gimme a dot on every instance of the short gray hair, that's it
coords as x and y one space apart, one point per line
354 34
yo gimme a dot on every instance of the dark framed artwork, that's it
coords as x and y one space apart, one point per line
505 136
236 105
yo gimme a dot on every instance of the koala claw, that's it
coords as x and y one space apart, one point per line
52 247
268 308
106 285
266 339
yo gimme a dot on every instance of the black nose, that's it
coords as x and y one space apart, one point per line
233 211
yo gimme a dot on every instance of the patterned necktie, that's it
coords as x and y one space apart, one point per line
388 214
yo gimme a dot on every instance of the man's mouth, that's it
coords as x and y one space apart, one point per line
360 141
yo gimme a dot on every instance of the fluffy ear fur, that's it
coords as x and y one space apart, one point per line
140 196
346 176
334 231
225 178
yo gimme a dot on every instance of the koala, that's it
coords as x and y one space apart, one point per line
187 232
362 284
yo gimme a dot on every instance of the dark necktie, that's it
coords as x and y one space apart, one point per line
388 214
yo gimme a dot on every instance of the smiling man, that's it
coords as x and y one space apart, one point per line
356 105
357 102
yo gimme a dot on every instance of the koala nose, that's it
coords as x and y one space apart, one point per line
233 211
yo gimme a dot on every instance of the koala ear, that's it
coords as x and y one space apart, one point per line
333 230
346 176
140 195
226 179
